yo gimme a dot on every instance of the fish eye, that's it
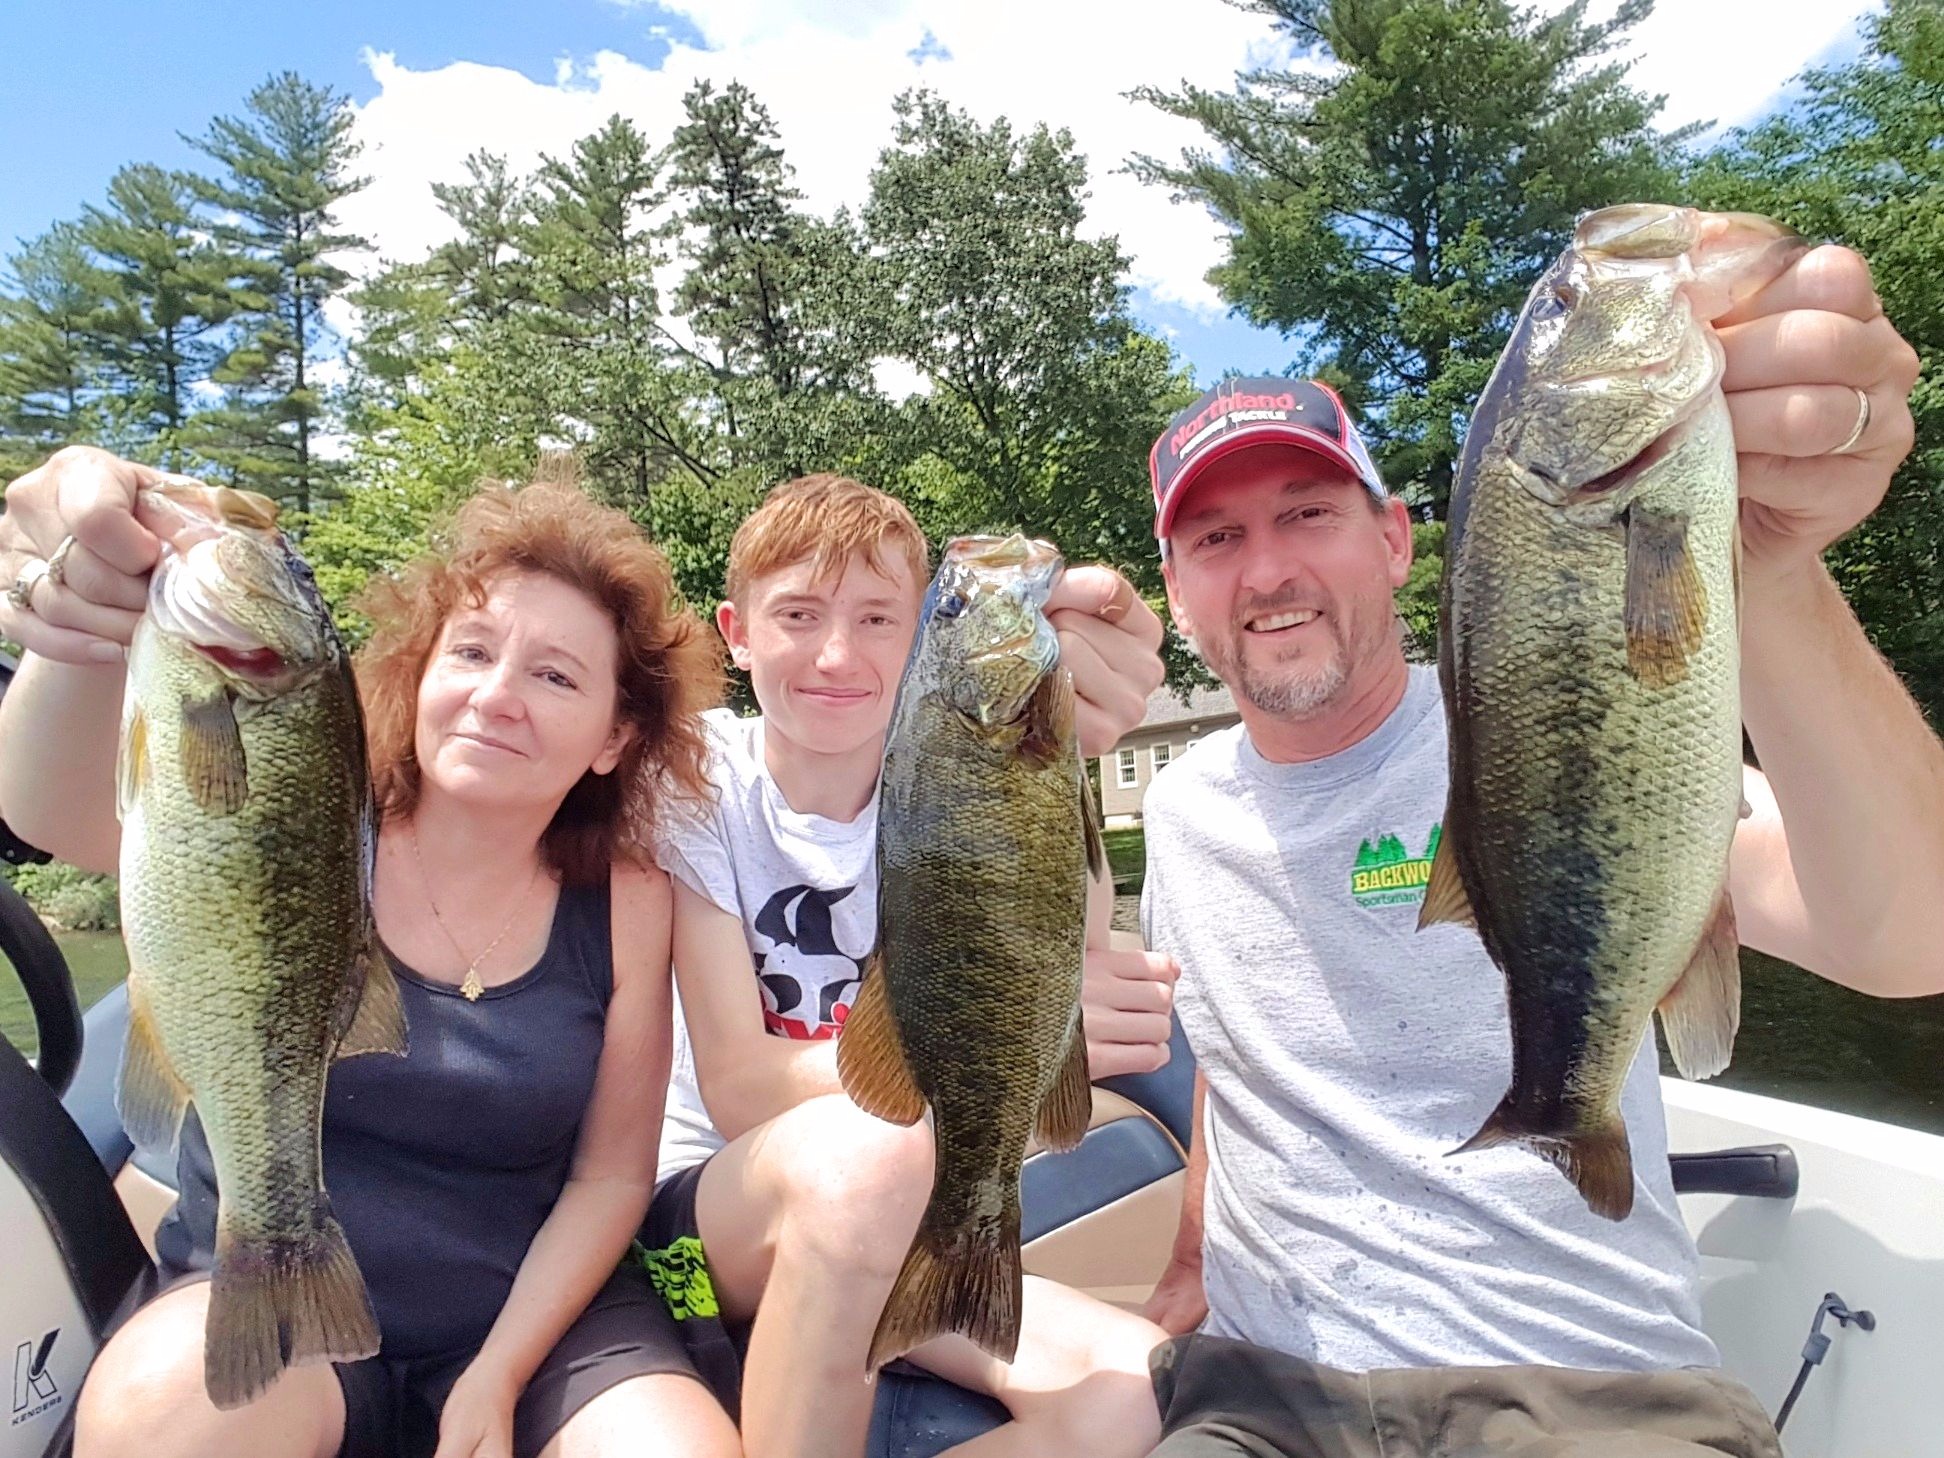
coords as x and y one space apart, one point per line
950 607
1554 302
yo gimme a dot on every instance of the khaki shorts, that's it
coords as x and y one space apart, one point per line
1222 1398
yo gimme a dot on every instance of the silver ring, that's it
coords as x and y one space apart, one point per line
1862 423
57 561
21 593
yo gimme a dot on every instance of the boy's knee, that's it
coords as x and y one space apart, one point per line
854 1185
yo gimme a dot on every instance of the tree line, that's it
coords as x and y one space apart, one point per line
669 311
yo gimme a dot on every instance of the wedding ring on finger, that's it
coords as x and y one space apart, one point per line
21 593
1862 423
57 561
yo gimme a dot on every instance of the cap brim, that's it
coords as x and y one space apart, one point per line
1247 438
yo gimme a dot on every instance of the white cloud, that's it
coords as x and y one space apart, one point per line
828 70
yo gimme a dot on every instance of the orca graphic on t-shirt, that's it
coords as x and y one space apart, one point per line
808 980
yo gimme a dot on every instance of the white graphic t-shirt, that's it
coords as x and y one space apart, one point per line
804 888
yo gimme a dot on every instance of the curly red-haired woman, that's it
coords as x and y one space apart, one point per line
532 693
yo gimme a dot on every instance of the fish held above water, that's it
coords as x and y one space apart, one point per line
1589 660
972 1003
246 846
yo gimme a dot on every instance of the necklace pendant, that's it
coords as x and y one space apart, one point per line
472 987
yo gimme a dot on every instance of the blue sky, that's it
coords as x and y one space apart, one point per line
117 82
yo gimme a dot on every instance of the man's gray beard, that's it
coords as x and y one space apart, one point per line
1290 697
1294 698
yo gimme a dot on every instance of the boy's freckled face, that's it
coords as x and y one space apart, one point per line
824 655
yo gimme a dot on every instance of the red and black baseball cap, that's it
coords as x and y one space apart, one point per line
1246 412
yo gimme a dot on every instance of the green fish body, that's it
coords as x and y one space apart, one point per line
971 1006
246 846
1589 661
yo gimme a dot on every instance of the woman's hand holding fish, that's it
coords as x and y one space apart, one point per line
88 496
1110 640
1818 381
1126 997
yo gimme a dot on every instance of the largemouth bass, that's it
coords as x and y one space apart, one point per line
246 857
1589 659
972 1002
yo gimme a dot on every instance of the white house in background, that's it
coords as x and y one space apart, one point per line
1169 727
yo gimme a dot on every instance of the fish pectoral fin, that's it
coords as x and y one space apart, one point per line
213 765
377 1023
1702 1012
131 766
1667 603
1067 1109
1445 897
1046 724
870 1055
150 1095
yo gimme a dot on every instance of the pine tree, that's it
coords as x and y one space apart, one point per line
170 290
1389 211
286 169
50 365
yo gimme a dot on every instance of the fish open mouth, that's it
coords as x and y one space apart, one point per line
262 663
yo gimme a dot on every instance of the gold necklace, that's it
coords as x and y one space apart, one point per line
470 987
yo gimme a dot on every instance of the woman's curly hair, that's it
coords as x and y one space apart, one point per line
668 667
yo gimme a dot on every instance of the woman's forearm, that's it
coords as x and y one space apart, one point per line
571 1258
59 724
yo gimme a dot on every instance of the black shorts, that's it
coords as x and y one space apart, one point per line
392 1404
670 1252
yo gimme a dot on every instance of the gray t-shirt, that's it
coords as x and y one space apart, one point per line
1347 1053
804 888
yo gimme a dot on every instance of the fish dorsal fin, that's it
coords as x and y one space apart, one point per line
1702 1012
131 767
1067 1109
150 1095
1667 603
213 764
1445 897
870 1055
377 1023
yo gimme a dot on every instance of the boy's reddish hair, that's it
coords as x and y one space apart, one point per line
824 519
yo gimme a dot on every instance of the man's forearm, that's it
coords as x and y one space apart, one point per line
1859 780
1188 1233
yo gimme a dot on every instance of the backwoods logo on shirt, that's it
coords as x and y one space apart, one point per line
1385 874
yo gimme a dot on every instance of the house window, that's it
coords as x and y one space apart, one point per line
1125 773
1162 754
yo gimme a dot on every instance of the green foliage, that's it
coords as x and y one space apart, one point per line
1389 209
1417 599
285 168
67 897
1857 161
50 371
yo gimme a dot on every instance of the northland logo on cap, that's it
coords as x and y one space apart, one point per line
1254 411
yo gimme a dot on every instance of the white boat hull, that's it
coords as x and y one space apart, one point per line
1868 1225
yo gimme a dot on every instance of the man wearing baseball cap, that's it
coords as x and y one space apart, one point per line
1352 1290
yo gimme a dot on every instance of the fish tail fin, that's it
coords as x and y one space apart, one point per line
1702 1012
962 1279
1598 1161
277 1300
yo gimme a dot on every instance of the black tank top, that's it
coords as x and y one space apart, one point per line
443 1164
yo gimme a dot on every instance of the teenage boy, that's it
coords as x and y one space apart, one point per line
782 1206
